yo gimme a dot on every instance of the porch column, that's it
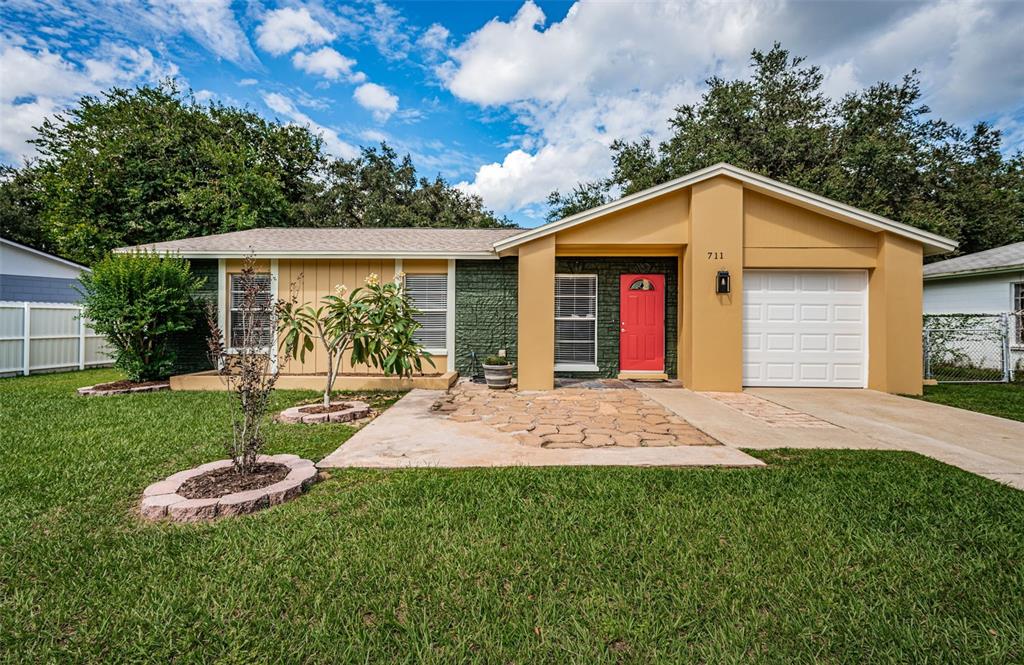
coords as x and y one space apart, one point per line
536 353
713 324
895 304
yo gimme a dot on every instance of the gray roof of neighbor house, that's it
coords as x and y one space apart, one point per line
999 259
338 243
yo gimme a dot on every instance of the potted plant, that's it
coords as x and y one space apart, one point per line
498 372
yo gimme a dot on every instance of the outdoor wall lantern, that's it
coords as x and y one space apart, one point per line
722 282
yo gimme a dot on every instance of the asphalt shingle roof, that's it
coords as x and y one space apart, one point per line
999 258
334 240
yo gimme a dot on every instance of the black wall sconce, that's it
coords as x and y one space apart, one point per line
722 282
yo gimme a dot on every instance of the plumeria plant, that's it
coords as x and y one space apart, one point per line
375 322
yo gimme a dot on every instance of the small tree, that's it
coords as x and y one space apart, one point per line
247 369
375 322
137 301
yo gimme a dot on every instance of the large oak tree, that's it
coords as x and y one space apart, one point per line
877 149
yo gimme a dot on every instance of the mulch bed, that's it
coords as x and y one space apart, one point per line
124 385
220 482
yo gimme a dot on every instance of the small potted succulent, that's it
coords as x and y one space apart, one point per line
498 372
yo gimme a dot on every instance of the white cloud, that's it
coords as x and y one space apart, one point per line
376 99
333 143
434 38
328 63
37 84
248 82
387 29
287 29
211 23
617 70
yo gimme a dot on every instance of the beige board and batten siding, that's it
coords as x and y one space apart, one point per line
313 279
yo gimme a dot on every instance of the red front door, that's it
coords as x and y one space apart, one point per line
642 323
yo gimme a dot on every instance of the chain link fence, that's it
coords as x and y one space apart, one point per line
968 348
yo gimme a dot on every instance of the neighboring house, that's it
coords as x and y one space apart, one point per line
722 278
989 282
28 274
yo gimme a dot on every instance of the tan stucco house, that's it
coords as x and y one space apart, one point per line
722 278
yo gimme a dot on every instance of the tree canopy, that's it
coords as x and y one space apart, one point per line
148 164
877 149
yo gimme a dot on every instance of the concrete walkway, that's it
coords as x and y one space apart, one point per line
982 444
409 434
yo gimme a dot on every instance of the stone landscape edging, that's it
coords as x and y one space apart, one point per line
91 391
355 411
161 499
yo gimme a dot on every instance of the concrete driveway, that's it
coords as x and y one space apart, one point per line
835 418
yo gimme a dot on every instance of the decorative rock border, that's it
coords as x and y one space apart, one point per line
92 391
161 500
354 411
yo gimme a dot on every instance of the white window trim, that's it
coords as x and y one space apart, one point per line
581 367
1016 320
450 321
225 313
449 311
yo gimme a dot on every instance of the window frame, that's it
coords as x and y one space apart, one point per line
230 310
1017 313
578 367
433 350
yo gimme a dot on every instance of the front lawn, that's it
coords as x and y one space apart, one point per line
834 556
1005 400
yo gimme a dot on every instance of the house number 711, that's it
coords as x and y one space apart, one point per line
716 255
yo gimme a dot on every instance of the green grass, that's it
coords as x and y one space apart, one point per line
1005 400
824 556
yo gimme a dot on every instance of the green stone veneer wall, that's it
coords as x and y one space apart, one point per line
486 311
191 345
608 271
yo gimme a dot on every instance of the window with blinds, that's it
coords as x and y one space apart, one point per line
575 321
429 295
260 316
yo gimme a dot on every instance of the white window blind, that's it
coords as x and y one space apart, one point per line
575 320
429 295
260 316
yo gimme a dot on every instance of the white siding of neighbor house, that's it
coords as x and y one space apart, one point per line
15 260
988 294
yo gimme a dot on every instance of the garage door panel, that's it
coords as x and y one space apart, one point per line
805 328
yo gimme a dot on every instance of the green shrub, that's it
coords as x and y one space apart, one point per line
137 301
495 360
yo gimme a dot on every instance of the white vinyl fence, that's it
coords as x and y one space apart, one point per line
47 337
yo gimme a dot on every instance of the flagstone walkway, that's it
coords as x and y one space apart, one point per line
571 417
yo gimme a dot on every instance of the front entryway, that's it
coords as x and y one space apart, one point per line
642 323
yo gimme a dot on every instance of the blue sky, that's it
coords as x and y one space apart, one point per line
508 99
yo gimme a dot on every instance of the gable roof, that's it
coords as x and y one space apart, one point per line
1007 258
45 255
933 243
338 243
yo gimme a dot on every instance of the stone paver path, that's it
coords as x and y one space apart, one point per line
769 413
571 417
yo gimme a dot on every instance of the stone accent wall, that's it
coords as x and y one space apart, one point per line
486 311
608 271
191 345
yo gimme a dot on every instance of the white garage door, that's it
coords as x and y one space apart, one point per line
805 328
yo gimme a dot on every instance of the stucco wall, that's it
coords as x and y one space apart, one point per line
608 270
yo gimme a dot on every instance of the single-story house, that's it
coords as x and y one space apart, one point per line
722 278
28 274
988 282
